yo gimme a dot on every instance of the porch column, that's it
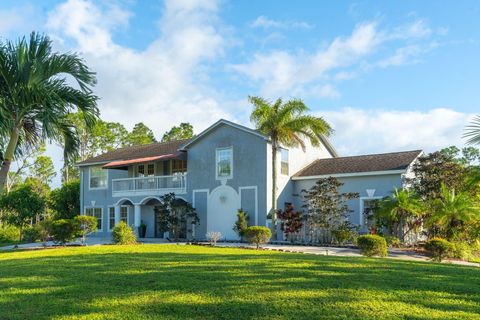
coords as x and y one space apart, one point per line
117 215
137 218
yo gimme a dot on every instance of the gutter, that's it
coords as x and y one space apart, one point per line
351 174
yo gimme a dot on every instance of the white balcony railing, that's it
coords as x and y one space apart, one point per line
176 183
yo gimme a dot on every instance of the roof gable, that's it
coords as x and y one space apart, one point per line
385 162
220 122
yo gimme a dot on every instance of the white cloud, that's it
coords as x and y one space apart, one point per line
416 29
280 72
162 85
267 23
360 131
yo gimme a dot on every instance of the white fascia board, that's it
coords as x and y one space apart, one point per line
91 163
353 174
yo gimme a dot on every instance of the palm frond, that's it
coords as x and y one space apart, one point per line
472 131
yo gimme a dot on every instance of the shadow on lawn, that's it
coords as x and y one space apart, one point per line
240 285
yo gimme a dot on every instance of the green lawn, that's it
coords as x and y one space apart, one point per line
180 282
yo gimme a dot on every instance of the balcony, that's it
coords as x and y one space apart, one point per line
153 185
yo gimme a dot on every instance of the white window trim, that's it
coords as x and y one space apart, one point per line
362 207
288 162
255 189
101 215
89 179
108 216
216 163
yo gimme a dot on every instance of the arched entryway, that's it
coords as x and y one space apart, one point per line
222 207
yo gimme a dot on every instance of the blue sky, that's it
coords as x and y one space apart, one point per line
387 75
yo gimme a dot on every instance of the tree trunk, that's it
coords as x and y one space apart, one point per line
274 189
8 157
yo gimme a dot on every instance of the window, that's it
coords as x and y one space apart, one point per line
145 170
111 218
224 163
284 162
124 214
98 178
97 213
179 166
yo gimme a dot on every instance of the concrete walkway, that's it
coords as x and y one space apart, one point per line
329 251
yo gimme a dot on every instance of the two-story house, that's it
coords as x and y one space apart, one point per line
224 168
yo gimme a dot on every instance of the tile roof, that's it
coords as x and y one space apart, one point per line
143 151
358 164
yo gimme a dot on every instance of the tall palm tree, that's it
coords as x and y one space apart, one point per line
453 211
402 212
287 125
472 131
38 89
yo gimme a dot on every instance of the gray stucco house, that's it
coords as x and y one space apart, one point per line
224 168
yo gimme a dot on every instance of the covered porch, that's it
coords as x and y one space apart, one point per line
156 175
144 213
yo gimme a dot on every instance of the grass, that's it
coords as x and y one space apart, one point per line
185 282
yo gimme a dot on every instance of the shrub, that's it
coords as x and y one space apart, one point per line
372 245
258 235
393 242
43 230
463 251
9 233
439 249
213 237
123 234
30 234
63 230
241 224
343 234
86 225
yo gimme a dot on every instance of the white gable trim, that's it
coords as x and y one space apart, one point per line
216 124
352 174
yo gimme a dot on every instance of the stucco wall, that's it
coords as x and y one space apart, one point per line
249 169
382 184
298 159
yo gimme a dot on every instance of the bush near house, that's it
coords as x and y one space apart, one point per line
86 225
344 233
64 230
123 234
393 242
439 249
372 245
241 224
258 235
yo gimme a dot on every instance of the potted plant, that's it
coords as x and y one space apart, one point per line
142 230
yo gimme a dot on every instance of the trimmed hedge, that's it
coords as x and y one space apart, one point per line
372 245
258 235
439 249
123 234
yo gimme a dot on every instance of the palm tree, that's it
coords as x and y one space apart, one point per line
453 211
472 131
287 125
38 89
401 212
